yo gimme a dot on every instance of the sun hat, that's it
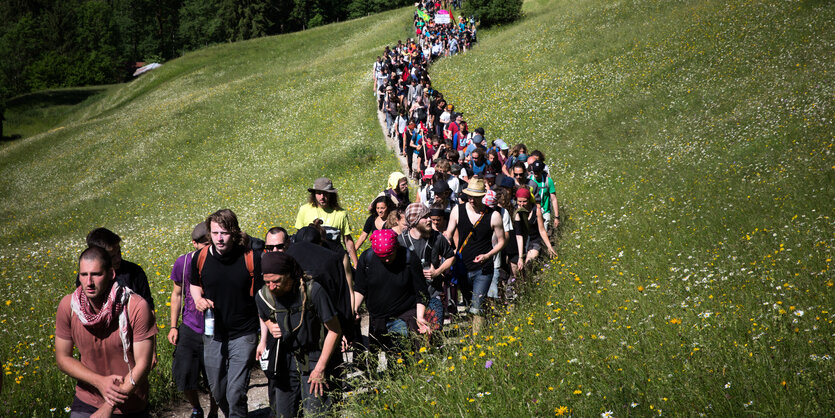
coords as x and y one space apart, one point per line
428 173
501 144
475 188
322 184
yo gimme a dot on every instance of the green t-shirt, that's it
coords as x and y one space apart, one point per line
334 218
544 191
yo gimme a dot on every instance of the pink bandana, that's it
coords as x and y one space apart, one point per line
384 242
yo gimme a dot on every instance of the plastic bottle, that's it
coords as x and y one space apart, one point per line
209 322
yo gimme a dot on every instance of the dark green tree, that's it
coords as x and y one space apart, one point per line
493 12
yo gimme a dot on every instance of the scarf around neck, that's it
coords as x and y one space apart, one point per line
115 306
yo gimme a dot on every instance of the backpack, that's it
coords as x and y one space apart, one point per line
249 259
270 366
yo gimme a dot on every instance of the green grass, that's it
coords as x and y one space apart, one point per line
247 126
691 146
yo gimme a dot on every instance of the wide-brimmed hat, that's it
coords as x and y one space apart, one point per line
322 184
475 188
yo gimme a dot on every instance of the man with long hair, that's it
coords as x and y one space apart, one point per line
323 203
224 278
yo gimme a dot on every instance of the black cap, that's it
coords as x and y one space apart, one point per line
537 166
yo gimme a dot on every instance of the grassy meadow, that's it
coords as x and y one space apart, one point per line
691 143
247 126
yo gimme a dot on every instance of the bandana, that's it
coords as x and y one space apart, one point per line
414 213
489 199
384 242
116 306
523 192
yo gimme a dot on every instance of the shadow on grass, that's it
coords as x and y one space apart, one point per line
47 98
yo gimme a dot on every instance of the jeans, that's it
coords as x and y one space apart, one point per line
480 283
227 369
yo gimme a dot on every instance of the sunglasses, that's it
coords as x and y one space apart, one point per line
519 174
276 247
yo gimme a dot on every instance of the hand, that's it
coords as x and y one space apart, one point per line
423 326
429 273
556 222
317 382
260 349
173 334
110 389
521 263
202 304
345 345
274 329
480 258
552 253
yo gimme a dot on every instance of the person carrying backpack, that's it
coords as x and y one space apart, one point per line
299 346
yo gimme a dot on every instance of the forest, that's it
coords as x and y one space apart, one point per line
50 43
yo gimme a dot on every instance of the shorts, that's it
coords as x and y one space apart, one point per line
187 365
533 245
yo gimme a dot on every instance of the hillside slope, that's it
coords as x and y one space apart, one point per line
691 146
247 126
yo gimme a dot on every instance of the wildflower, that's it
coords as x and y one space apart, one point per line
578 391
488 364
633 404
607 414
422 350
747 404
560 411
727 385
67 409
799 312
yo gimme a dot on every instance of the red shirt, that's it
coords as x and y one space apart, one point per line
101 351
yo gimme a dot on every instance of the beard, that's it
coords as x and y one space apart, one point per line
424 230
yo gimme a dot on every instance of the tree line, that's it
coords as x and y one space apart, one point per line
64 43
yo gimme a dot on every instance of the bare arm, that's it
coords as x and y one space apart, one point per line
352 251
498 231
542 233
108 386
361 240
349 277
317 375
176 305
262 343
555 210
450 229
200 302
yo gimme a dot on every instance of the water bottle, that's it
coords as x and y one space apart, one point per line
209 322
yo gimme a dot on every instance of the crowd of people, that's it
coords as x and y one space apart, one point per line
292 302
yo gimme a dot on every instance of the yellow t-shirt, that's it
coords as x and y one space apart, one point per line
334 218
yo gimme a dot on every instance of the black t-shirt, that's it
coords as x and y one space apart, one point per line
432 251
390 289
227 283
369 226
308 337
